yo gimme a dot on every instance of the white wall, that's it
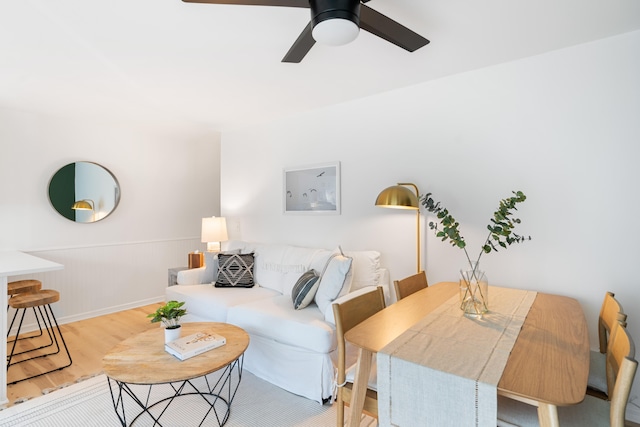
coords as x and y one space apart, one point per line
169 179
563 127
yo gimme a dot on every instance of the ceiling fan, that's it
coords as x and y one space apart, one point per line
336 22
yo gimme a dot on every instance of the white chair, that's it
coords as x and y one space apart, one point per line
595 412
610 313
348 314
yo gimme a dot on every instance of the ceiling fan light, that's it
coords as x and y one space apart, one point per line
335 22
335 32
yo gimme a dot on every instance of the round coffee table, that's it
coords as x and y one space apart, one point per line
146 380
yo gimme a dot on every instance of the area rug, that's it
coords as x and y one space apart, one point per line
257 403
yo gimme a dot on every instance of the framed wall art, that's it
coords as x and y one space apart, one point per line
312 189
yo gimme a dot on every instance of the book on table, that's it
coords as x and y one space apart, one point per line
194 344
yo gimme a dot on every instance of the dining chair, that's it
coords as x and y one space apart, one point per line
409 285
610 313
347 315
592 411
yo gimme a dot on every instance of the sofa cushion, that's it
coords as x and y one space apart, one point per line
235 270
305 289
211 303
333 280
276 319
279 267
211 265
366 269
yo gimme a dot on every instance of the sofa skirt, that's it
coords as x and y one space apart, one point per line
296 370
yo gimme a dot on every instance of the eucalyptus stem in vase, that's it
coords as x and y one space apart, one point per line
501 235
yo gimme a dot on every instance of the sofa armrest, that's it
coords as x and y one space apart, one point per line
192 276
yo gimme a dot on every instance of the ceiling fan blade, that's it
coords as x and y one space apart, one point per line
382 26
286 3
301 46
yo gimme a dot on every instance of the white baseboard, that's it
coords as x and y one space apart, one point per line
32 326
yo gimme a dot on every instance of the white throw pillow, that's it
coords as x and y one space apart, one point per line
333 280
210 267
366 268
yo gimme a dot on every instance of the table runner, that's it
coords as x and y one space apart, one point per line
444 370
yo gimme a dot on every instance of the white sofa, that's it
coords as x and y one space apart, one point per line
293 349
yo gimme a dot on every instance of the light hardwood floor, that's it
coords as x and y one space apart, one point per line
88 342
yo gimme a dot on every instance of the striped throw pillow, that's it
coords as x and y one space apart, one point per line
305 289
235 271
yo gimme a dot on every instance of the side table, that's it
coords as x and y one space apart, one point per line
145 380
173 275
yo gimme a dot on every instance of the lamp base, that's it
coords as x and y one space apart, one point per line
213 247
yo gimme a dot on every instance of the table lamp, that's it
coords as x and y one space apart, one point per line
214 231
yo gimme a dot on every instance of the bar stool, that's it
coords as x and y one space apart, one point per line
42 299
22 287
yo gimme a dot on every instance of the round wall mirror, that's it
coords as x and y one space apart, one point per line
84 192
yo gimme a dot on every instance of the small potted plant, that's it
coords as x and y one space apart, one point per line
169 314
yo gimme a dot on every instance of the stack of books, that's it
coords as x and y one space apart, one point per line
194 344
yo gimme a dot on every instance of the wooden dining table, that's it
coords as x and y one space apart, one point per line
547 367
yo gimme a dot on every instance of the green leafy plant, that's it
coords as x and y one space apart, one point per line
501 228
169 314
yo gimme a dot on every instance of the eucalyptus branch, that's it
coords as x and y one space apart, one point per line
501 228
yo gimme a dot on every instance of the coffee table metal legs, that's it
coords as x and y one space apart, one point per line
155 402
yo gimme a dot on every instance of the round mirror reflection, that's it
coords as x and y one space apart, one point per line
84 192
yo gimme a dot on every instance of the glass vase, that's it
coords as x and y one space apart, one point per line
474 291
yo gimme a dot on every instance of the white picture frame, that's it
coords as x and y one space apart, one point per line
312 189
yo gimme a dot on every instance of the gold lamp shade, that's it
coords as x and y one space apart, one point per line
82 205
397 197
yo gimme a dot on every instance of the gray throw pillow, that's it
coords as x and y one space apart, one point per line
305 289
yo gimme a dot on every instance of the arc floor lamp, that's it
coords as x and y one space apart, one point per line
400 197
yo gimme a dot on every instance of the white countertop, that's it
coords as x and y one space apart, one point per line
13 263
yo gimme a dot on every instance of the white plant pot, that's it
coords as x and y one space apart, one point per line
171 334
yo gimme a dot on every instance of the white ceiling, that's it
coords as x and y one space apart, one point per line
220 64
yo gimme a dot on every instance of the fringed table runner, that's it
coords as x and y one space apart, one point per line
444 371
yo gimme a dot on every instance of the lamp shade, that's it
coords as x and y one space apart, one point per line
214 229
82 205
397 197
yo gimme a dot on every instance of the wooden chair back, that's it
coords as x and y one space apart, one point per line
610 314
409 285
621 370
347 315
